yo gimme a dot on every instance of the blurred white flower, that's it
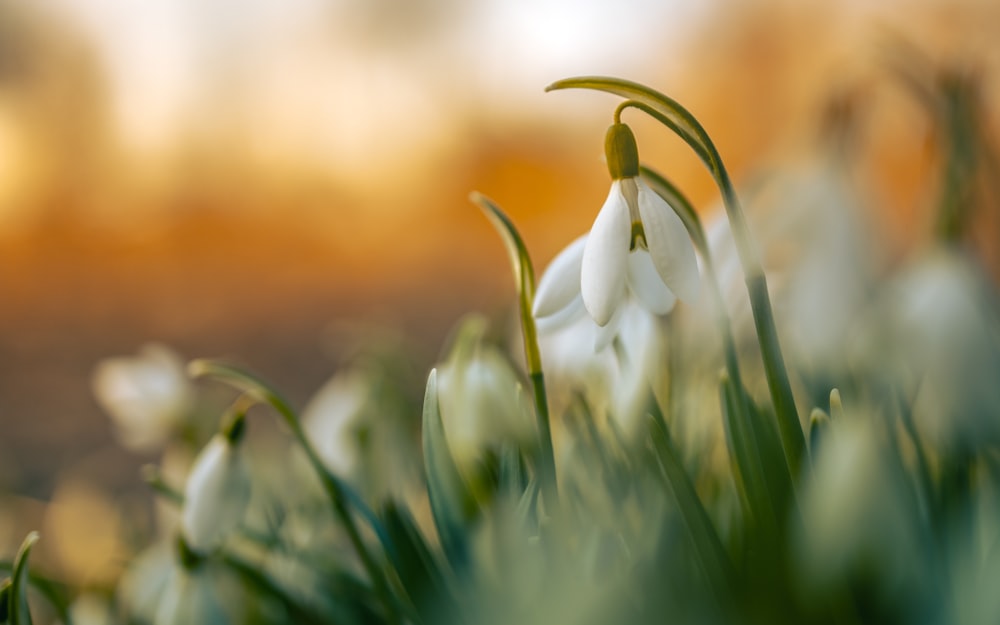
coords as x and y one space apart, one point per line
217 494
946 338
481 399
332 418
143 583
190 598
360 431
817 254
147 396
90 608
615 382
857 512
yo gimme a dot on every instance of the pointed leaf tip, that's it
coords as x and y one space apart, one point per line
18 610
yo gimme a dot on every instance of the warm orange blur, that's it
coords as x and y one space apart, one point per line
324 173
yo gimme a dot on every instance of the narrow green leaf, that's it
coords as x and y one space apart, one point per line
513 474
54 592
452 505
419 571
524 275
743 456
18 610
759 465
712 557
776 475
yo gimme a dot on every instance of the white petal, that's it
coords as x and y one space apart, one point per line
564 317
647 285
216 494
605 257
669 245
560 284
605 335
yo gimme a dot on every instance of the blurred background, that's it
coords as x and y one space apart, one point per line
232 177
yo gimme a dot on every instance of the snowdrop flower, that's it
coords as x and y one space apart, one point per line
819 256
217 492
189 600
615 382
637 245
856 511
332 418
361 433
945 339
147 396
481 399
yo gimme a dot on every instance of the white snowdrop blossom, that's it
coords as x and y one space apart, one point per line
946 345
481 399
559 302
615 382
332 417
216 495
147 396
637 245
361 434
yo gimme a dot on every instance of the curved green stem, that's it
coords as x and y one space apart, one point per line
335 490
763 495
683 123
525 276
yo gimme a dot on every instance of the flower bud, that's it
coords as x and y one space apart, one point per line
481 398
189 599
621 151
217 494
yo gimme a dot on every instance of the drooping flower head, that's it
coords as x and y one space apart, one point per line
217 492
637 245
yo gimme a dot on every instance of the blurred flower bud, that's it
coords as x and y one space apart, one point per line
142 584
332 418
216 495
481 398
857 515
147 396
189 600
615 382
945 337
363 429
91 609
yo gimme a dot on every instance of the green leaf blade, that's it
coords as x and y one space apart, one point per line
19 612
452 504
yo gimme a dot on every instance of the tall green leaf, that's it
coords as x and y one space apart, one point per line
452 504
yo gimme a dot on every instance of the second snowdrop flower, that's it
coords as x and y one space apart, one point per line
636 241
217 492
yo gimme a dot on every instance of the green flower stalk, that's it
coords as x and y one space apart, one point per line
680 121
524 275
338 493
